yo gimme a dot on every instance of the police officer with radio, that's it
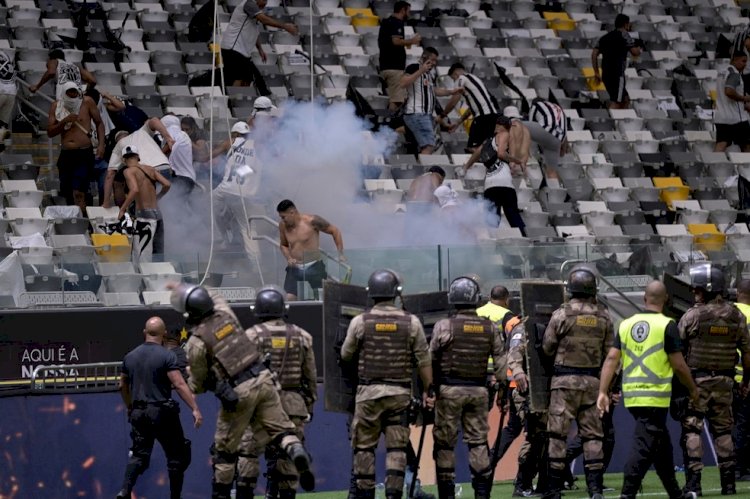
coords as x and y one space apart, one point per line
386 340
148 374
460 348
712 331
226 360
651 351
578 336
292 359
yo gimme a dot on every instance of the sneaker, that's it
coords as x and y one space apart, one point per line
607 488
690 495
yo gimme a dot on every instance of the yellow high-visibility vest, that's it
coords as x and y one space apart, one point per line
646 371
738 371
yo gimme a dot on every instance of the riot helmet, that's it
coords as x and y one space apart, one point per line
383 283
464 291
269 304
581 281
193 300
707 277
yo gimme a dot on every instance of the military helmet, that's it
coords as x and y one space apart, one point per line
192 299
581 281
269 304
464 291
384 283
708 277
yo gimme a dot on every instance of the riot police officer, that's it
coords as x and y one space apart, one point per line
712 330
578 336
534 448
227 361
652 354
293 361
384 340
148 374
460 347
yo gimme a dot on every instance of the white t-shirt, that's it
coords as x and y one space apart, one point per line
148 150
7 75
728 111
67 72
181 157
241 159
500 176
446 196
242 31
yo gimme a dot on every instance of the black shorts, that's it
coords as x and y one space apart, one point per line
482 128
615 85
76 168
314 274
737 133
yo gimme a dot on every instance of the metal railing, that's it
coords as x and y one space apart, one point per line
76 378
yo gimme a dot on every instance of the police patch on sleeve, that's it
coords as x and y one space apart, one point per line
515 340
639 331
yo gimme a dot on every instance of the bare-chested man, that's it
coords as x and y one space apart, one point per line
422 188
519 143
299 236
71 116
141 181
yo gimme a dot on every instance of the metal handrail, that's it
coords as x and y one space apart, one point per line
49 99
96 376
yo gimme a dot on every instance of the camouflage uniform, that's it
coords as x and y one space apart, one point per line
460 348
579 335
534 447
712 333
258 395
385 339
293 361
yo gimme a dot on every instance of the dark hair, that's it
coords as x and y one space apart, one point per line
189 121
430 50
57 54
503 121
454 67
738 53
438 170
499 293
284 206
621 20
400 5
94 94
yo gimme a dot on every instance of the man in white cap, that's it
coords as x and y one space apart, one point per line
150 152
233 195
71 116
263 108
141 180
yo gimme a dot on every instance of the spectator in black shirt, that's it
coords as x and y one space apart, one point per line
148 374
392 43
614 48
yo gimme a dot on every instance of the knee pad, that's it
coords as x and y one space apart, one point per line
223 457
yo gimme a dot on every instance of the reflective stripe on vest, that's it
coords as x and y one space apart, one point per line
738 371
646 372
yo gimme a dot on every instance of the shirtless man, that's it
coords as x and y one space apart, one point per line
299 236
519 143
149 227
71 116
422 188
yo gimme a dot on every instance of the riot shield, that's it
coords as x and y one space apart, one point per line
341 303
428 307
538 301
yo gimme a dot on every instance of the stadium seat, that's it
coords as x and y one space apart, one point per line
707 237
22 193
112 247
671 189
26 221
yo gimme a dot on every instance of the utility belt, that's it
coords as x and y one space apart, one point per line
400 384
708 373
141 404
457 381
249 373
577 371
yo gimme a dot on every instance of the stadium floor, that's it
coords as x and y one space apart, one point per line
651 487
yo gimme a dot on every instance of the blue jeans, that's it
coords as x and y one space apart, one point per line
421 126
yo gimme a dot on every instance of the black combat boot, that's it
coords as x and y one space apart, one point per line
446 489
221 490
594 479
726 475
301 459
482 486
555 482
244 492
364 493
287 493
693 482
352 486
176 479
272 486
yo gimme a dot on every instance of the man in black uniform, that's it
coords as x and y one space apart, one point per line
614 48
148 374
